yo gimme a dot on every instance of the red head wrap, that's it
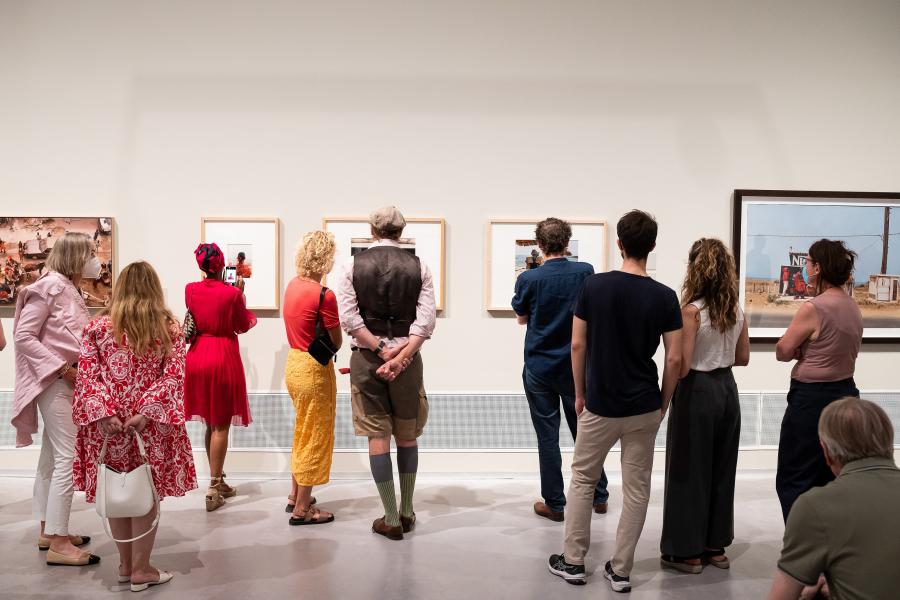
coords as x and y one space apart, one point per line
210 258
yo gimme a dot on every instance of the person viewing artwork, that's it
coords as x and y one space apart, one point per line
704 429
544 300
49 321
843 539
215 387
387 305
824 338
131 382
619 319
312 386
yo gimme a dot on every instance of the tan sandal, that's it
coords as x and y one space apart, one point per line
214 499
226 490
311 516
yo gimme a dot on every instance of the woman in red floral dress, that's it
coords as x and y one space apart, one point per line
215 388
131 381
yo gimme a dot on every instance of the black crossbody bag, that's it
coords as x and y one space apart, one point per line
322 348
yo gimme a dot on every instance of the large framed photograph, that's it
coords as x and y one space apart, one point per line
511 249
773 230
252 247
423 237
25 244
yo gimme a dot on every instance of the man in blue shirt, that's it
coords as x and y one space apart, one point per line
544 301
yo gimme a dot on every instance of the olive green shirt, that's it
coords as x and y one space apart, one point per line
850 531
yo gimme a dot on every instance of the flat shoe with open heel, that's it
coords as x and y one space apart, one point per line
291 504
76 540
57 559
164 577
313 516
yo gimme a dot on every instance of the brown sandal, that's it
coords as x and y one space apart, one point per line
310 517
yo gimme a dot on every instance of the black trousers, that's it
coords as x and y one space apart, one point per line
702 442
801 463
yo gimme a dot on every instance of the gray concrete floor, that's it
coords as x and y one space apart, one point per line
476 538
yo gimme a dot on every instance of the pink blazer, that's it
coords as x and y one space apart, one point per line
50 317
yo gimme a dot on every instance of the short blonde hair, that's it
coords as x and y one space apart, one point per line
69 254
853 429
315 254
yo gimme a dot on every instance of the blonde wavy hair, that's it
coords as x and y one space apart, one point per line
315 254
70 253
711 276
138 310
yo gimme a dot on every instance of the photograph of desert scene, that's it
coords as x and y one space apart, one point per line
777 238
26 242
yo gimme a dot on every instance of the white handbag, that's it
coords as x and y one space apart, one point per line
126 495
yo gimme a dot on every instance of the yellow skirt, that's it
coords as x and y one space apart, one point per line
313 390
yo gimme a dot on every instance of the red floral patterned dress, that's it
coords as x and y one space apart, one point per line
112 380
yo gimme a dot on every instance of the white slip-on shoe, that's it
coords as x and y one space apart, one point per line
164 577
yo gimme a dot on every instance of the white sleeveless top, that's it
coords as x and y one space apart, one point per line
713 348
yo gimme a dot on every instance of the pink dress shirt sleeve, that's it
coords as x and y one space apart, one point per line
351 320
42 362
426 313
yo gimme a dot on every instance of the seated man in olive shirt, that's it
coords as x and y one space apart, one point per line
848 530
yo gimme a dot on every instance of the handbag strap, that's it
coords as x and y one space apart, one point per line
319 308
140 445
143 452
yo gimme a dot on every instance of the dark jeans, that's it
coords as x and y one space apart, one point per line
544 399
801 464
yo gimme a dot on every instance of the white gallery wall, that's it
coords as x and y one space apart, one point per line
158 113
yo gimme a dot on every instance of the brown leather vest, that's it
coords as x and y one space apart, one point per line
387 281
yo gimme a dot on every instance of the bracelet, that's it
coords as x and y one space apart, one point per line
65 370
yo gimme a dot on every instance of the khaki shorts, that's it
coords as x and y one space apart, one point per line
382 408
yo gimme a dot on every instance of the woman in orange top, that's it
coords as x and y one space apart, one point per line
312 386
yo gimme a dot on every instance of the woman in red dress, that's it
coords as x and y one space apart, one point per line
215 388
131 382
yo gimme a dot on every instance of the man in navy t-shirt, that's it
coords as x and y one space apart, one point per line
619 319
544 301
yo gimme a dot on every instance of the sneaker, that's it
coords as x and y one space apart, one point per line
618 584
573 574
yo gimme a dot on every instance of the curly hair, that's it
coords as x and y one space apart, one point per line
711 276
315 254
553 235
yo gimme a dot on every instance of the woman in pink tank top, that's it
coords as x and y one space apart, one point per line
824 338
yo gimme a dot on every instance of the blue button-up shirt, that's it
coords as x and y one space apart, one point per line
547 295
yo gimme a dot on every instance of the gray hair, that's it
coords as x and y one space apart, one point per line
853 429
387 222
69 254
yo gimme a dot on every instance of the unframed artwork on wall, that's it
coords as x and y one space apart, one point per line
252 247
773 230
25 244
422 237
511 250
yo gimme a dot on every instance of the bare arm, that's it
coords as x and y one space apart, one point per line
672 343
690 316
365 338
337 338
804 325
2 337
520 319
579 354
742 350
784 587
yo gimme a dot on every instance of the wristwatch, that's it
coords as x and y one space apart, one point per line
379 348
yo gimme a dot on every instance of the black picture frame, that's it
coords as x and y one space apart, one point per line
744 196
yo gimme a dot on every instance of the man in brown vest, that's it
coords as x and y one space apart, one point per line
387 305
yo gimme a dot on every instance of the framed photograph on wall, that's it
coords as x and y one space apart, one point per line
773 230
25 244
253 247
511 249
424 237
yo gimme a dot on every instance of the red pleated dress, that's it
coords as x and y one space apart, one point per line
215 389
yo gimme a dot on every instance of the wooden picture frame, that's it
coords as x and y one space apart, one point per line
26 241
262 236
502 231
433 253
782 224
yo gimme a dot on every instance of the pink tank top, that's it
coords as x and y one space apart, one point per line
831 356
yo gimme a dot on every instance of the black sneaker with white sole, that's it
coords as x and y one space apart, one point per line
573 574
618 584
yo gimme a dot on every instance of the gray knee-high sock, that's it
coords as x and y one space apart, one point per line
383 473
408 465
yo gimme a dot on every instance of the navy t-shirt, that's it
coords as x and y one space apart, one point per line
547 295
626 315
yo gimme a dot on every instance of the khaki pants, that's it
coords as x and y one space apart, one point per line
596 435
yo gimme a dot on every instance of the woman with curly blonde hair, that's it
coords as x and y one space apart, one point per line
705 421
311 312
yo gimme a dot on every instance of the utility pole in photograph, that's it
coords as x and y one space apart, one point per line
886 239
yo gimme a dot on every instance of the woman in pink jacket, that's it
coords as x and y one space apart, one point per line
49 320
